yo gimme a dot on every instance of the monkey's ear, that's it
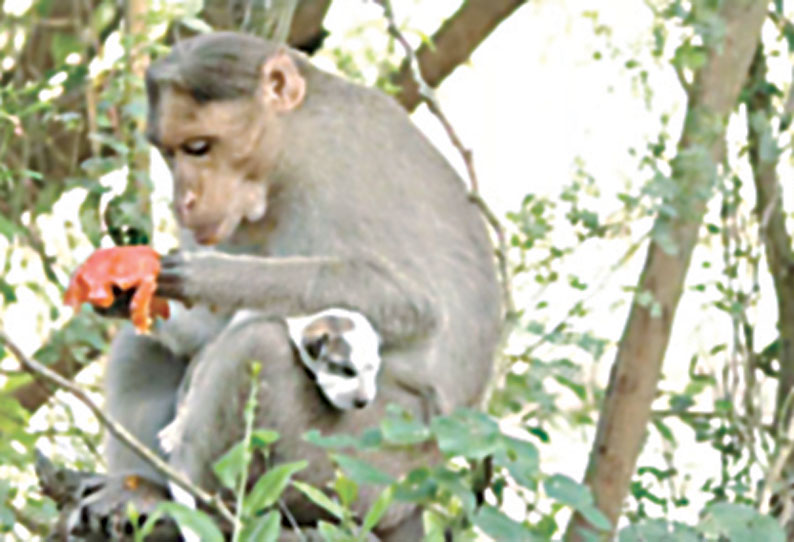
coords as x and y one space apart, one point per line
283 85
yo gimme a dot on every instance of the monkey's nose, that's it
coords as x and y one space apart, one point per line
358 402
190 200
187 203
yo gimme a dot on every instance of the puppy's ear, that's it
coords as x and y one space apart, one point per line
314 344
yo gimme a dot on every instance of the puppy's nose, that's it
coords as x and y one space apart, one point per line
358 402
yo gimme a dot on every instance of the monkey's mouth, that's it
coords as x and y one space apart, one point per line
211 234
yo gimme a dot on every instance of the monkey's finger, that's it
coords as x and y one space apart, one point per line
170 280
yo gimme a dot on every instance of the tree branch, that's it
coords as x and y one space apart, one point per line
772 221
634 377
118 431
452 44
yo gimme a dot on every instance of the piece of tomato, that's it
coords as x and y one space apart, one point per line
126 268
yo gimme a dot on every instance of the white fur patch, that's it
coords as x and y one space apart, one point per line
343 392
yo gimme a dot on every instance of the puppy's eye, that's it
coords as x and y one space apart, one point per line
196 147
342 370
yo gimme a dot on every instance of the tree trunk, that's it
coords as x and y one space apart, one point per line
635 373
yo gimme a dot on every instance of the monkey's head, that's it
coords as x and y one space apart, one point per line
216 104
340 349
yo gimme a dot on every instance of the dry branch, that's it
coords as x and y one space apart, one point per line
117 430
633 380
452 44
780 260
772 222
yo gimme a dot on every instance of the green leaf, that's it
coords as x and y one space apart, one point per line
7 518
262 529
500 527
7 228
332 533
262 438
456 483
320 499
333 442
418 486
360 471
63 44
269 487
403 431
740 523
377 510
230 466
8 292
596 518
468 433
195 520
658 531
569 492
347 490
196 25
90 219
521 459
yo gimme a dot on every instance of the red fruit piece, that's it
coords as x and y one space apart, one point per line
134 267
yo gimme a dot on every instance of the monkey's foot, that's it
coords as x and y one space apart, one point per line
103 513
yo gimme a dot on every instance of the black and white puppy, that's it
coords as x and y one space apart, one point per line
339 348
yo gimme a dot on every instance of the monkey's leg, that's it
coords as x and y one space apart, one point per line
141 384
211 411
287 402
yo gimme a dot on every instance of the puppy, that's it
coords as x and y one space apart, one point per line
339 348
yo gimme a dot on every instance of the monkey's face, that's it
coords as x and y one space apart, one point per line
220 154
340 349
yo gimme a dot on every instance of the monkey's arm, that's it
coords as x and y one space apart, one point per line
398 306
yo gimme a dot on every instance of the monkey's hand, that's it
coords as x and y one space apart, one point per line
109 275
171 282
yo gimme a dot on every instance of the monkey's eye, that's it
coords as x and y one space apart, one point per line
196 147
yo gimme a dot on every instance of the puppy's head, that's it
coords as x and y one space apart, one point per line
340 348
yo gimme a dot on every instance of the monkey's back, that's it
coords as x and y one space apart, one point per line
396 198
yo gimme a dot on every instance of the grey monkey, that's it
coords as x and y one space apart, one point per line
316 193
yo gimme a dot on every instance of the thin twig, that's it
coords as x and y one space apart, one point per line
774 474
427 95
291 520
117 430
248 416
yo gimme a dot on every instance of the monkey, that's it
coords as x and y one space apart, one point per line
314 193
